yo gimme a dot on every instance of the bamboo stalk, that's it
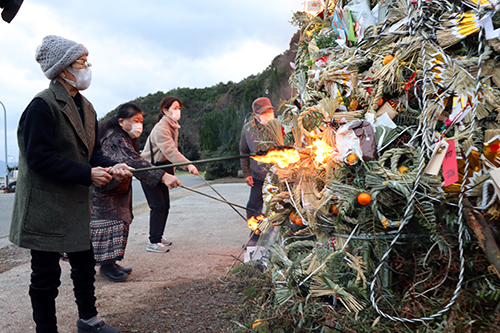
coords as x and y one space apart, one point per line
220 195
224 201
193 162
208 160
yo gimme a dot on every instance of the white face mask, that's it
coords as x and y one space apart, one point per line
175 115
83 77
136 130
264 118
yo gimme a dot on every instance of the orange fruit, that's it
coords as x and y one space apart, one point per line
402 169
354 104
295 218
387 59
380 101
352 159
364 198
335 210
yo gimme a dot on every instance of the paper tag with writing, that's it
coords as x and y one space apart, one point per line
437 158
450 167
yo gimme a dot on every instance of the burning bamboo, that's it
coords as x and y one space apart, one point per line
270 156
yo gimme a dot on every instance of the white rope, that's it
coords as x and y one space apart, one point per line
409 207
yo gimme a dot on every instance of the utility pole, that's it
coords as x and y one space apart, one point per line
6 156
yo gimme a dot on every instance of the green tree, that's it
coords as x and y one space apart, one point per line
210 132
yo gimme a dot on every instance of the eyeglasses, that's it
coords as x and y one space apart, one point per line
84 63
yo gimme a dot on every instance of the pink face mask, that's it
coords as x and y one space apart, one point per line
176 115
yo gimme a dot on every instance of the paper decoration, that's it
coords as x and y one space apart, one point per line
437 158
450 167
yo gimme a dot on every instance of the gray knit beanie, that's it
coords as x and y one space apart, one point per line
56 53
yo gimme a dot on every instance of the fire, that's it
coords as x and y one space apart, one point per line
253 223
323 151
282 157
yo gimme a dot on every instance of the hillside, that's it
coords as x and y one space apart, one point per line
212 117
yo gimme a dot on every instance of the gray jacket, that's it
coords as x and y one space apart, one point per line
248 145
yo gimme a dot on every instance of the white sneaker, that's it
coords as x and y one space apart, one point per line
165 242
157 247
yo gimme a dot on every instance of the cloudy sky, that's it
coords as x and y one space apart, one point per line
141 47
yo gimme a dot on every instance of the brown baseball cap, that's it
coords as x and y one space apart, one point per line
261 104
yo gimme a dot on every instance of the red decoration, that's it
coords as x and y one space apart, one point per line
410 83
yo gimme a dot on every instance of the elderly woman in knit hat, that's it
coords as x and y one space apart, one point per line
58 161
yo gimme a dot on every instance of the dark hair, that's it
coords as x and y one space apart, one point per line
165 103
124 111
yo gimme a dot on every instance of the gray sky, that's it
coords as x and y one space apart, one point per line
141 47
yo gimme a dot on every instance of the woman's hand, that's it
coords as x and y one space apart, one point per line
120 171
191 168
100 176
170 181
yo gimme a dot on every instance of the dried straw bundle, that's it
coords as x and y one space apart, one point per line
276 130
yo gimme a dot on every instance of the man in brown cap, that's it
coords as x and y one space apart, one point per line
256 136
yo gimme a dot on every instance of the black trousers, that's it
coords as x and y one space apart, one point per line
255 202
158 199
45 281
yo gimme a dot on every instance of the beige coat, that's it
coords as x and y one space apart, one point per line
164 138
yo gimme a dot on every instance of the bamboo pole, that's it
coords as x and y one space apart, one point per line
220 195
216 159
224 201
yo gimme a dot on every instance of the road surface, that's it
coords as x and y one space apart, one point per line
7 202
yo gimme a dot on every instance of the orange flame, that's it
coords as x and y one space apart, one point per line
253 223
282 157
323 151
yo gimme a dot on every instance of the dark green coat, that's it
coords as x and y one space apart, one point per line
51 215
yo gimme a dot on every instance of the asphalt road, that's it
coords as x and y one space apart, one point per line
7 202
